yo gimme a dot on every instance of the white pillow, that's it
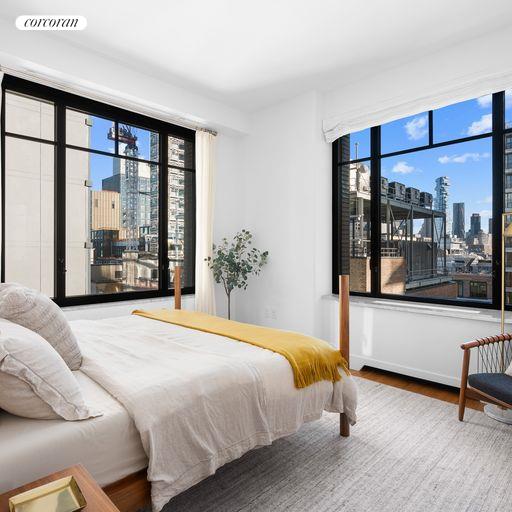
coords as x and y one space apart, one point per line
34 380
40 314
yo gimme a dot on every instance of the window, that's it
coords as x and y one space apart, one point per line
465 119
421 208
99 201
508 108
477 289
407 133
357 145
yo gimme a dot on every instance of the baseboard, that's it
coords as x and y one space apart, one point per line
357 362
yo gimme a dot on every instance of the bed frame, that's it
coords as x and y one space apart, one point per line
134 491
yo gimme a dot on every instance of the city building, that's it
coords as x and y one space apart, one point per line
442 187
105 210
476 225
459 221
508 209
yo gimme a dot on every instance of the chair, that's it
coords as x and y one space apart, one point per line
490 383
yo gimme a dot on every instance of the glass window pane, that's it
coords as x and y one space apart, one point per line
29 116
360 227
355 145
138 143
180 152
181 225
88 131
435 220
508 108
111 224
464 119
29 214
407 133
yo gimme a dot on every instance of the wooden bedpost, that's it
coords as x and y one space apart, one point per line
344 301
177 287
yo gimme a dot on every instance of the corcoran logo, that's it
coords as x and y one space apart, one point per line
50 22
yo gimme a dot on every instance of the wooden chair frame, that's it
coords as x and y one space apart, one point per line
468 391
134 492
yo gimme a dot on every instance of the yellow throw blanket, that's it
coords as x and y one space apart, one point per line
312 360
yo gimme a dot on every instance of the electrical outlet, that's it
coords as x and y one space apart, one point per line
273 314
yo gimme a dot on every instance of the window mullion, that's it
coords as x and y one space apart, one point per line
430 127
498 105
60 203
2 164
375 187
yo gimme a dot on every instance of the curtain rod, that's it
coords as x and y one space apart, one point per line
106 98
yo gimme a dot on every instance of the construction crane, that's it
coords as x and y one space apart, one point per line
125 136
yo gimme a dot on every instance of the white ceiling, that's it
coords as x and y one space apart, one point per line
252 53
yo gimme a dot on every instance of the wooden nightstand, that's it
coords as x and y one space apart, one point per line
96 499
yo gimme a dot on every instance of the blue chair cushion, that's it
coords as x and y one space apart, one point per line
497 385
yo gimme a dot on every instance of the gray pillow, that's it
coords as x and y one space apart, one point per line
34 380
37 312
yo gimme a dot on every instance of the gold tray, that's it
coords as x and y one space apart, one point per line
62 495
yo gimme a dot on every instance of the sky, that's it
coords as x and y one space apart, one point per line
467 165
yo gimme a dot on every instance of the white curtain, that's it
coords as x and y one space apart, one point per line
409 103
205 178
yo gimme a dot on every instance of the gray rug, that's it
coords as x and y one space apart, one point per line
407 453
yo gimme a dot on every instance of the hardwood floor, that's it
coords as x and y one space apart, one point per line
423 387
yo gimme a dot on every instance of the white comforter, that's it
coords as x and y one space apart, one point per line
199 400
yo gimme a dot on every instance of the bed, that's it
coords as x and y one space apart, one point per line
195 399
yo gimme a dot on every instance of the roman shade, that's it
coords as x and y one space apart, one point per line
337 124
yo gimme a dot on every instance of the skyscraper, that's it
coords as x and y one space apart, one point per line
459 224
476 224
490 226
443 227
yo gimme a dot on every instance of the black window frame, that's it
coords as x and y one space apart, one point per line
61 101
341 206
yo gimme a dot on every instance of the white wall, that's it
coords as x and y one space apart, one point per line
412 338
228 213
284 189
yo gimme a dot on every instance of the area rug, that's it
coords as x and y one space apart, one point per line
407 452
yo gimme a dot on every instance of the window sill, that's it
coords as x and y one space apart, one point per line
120 303
465 313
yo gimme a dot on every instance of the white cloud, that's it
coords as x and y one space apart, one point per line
485 101
402 168
417 128
485 200
482 126
462 159
485 213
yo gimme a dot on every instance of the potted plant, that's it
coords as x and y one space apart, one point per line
233 262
